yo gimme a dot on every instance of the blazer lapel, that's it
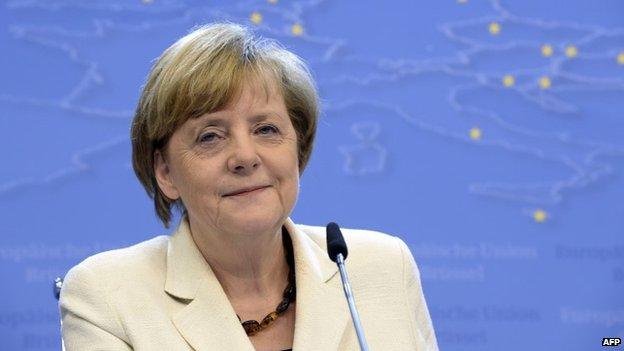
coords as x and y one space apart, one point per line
208 322
322 311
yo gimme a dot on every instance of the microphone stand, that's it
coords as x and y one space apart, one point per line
349 295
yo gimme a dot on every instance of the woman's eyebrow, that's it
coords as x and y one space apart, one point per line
209 121
263 116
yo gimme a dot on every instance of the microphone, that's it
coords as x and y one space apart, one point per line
337 249
335 242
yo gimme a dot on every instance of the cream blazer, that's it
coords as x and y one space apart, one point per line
162 295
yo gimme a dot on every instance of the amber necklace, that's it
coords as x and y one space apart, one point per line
252 327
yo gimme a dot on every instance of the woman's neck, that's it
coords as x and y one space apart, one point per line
246 265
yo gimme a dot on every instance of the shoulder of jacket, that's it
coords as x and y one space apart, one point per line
133 260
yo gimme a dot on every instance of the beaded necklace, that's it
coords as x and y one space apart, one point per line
252 327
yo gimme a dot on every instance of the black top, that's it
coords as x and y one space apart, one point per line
289 252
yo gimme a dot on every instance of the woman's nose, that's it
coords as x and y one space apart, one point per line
244 156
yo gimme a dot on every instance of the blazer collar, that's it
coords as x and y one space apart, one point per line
208 321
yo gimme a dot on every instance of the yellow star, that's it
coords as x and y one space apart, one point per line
272 2
296 29
508 80
571 51
462 1
545 82
547 50
148 1
475 133
620 58
256 18
540 215
494 28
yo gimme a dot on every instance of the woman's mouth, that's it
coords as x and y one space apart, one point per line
247 192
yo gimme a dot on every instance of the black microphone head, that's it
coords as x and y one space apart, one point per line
335 242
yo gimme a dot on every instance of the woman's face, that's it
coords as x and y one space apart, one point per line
251 143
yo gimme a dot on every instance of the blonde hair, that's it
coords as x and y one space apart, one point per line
201 73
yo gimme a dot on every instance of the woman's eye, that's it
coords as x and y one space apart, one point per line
208 137
268 129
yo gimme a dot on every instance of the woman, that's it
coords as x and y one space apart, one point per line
223 130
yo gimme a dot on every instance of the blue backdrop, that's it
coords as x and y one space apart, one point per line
488 135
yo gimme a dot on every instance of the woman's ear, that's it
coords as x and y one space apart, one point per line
163 176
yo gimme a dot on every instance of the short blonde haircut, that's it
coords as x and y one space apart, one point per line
201 73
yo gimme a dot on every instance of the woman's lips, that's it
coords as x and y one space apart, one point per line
250 192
